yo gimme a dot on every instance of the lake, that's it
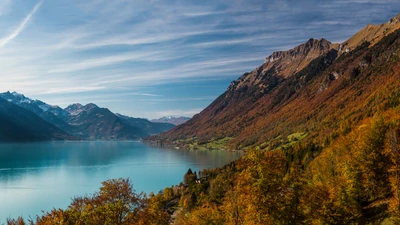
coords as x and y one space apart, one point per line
41 176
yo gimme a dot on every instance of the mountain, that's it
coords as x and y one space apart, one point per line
52 114
150 127
171 119
240 105
312 92
88 121
76 108
19 124
372 34
287 63
92 122
20 99
323 147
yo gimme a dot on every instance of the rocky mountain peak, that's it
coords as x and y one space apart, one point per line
283 64
73 106
18 98
171 120
77 105
395 19
16 94
90 106
13 96
74 109
315 43
297 54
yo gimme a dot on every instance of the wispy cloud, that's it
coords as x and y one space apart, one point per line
204 13
5 7
75 89
20 27
97 49
103 61
254 40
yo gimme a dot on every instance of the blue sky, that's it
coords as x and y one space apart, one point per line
149 58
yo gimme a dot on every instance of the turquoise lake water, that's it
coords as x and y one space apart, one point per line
46 175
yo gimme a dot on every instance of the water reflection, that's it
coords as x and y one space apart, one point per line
40 176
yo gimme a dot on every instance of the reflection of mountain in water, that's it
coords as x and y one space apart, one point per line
47 174
18 159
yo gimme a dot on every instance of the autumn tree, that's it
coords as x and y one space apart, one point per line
18 221
189 178
393 150
115 203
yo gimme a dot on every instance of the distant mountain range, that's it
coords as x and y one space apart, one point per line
171 119
24 119
314 91
19 124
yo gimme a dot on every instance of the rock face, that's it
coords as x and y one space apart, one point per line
296 89
287 63
283 64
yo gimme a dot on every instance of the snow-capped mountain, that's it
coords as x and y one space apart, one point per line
50 113
25 102
87 121
77 108
19 124
170 119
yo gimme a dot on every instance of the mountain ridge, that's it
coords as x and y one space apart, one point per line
151 127
266 107
87 121
171 119
371 33
13 120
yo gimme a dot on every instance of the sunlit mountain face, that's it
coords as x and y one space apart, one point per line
282 100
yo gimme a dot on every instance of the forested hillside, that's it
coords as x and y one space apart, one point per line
353 181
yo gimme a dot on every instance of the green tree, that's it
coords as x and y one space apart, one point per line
189 178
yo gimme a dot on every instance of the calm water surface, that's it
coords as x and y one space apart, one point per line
40 176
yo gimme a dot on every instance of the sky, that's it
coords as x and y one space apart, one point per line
153 58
